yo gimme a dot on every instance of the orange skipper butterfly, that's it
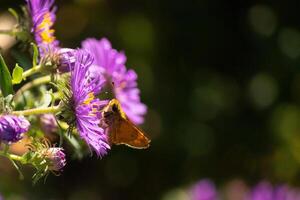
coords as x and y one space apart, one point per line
121 130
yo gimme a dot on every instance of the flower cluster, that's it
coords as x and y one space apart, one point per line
206 190
112 64
266 191
73 107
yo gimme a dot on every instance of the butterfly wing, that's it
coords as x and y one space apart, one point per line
125 132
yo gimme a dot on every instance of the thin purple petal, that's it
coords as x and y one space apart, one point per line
87 108
12 128
125 88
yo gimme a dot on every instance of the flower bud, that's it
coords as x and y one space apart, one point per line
56 157
58 60
12 128
48 123
66 58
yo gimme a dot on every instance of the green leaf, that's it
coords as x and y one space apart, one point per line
35 54
17 74
27 157
5 78
14 13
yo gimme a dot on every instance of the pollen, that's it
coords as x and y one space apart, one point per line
90 98
93 112
46 33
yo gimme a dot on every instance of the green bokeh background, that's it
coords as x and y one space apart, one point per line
221 81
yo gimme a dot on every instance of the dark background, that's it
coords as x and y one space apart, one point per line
221 81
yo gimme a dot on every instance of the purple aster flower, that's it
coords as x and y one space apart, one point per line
85 106
203 190
48 123
124 82
263 191
12 128
43 17
56 157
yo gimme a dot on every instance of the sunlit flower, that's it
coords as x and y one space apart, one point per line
84 104
123 81
43 17
12 128
52 57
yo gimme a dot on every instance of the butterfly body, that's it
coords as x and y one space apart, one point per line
121 130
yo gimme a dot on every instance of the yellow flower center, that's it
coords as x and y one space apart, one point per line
45 28
90 98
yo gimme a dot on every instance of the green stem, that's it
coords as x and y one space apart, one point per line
31 71
7 32
37 111
35 82
11 156
63 125
15 157
57 95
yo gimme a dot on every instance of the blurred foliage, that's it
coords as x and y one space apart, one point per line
222 84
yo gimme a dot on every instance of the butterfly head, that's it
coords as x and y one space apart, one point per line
113 111
114 107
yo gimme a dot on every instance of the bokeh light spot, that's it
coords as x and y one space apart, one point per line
263 90
262 20
289 42
198 139
286 125
176 194
284 164
286 121
136 32
213 94
6 23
